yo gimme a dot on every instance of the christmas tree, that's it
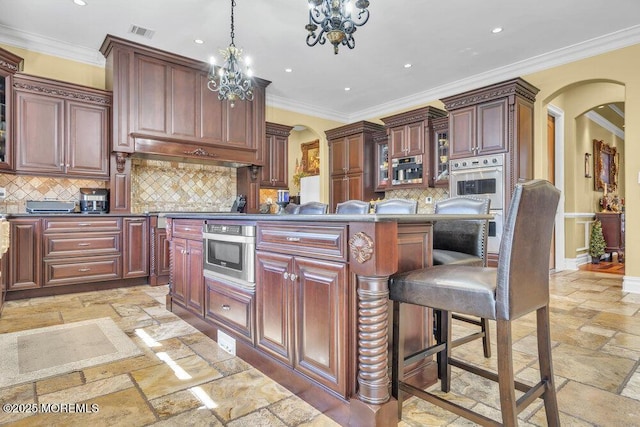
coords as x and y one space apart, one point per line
596 242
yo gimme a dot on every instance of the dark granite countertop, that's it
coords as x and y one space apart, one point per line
400 218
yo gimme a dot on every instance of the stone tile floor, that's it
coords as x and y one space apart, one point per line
184 378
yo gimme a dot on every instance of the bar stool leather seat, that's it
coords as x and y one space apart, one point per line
518 286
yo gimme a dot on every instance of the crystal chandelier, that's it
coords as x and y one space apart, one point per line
231 82
335 21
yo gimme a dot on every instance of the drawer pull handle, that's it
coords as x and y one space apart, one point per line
84 269
84 224
293 239
187 229
84 244
226 307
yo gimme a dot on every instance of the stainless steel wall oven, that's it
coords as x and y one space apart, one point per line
482 176
229 252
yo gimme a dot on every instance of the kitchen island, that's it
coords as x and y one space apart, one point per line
317 318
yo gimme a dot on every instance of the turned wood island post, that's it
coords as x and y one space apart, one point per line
373 258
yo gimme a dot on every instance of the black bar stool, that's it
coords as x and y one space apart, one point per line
518 286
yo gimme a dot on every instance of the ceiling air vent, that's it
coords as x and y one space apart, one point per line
139 31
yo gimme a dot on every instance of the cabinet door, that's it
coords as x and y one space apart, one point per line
39 133
492 127
152 112
211 120
278 161
239 120
274 302
183 101
338 153
462 125
397 137
339 191
320 322
179 271
25 254
194 281
135 248
5 120
86 147
355 153
414 143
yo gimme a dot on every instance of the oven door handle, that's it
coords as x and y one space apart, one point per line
476 170
228 238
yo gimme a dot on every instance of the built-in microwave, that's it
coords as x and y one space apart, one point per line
406 170
229 253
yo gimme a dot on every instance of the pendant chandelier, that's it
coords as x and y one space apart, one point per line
231 82
335 21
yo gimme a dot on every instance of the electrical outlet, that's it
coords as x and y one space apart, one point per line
428 200
227 343
3 193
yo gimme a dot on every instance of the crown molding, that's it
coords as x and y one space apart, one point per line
596 46
604 123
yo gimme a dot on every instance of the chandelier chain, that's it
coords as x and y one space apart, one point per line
233 35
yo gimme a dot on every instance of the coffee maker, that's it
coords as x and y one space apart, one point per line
94 200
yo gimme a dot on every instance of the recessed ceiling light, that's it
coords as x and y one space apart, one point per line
80 2
288 70
198 41
600 106
407 65
496 30
347 89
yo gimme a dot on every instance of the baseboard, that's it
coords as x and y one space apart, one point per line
631 284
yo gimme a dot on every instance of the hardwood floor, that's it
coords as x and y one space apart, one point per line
611 267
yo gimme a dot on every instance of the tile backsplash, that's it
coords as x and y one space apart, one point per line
158 185
20 188
420 194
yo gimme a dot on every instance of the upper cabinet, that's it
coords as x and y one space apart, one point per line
495 119
274 173
161 99
480 120
440 150
352 162
409 147
61 128
9 65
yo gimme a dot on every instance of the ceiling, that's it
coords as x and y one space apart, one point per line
449 43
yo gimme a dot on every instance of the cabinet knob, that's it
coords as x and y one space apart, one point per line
293 277
285 275
226 307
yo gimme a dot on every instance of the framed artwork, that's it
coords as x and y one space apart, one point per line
605 164
311 157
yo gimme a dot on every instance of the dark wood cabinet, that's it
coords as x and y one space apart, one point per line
135 247
25 255
164 107
382 163
613 231
274 173
187 279
303 300
352 162
10 64
230 307
159 261
440 153
410 135
495 119
62 129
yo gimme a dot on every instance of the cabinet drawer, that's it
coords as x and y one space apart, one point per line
188 228
80 245
80 270
229 306
324 241
81 224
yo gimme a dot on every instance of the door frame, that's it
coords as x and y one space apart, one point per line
558 115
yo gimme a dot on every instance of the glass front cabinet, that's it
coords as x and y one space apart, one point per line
440 151
382 161
9 65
